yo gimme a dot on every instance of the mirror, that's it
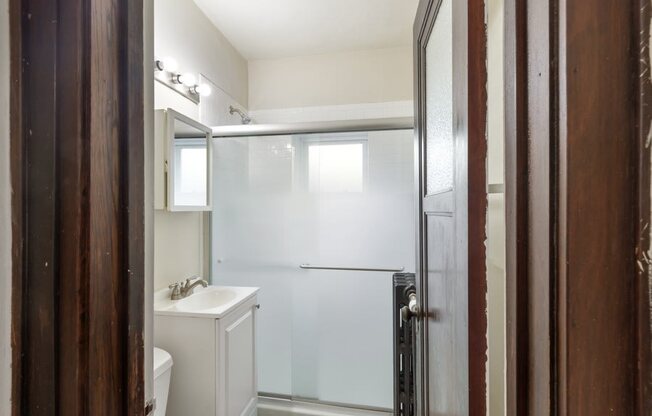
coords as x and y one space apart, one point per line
188 164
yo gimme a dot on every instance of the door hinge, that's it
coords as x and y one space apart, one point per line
150 406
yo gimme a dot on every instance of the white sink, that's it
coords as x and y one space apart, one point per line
208 299
212 301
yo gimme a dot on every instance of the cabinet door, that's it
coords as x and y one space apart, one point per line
239 360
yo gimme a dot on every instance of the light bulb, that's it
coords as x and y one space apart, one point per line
170 64
166 64
203 89
187 79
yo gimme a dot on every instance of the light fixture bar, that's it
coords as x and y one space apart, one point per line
183 83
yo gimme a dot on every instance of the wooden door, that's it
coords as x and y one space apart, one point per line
450 79
77 179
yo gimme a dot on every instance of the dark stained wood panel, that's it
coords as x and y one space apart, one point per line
133 73
578 207
516 208
77 172
106 327
73 185
477 205
40 276
598 177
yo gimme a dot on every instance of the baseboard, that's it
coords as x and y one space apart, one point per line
276 406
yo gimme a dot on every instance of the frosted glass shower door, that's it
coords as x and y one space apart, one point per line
335 200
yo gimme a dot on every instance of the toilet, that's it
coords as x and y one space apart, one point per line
162 372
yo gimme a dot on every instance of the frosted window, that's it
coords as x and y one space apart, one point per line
336 167
191 167
439 103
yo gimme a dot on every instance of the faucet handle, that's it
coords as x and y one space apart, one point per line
176 290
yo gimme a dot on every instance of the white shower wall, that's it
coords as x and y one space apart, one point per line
283 201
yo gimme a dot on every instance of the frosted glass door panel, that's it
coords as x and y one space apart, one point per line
342 200
439 105
255 242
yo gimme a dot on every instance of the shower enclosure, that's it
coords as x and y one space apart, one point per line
319 216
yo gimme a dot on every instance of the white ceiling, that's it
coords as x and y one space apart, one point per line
264 29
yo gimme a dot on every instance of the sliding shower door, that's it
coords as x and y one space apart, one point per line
288 209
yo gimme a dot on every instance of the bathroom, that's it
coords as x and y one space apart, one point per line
325 207
306 147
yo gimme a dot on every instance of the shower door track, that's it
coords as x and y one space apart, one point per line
343 126
298 401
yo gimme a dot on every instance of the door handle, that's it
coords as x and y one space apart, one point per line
411 310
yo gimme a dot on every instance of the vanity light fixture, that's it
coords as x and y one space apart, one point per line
184 83
188 79
167 64
202 89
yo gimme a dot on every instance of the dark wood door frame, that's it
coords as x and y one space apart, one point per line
577 169
77 207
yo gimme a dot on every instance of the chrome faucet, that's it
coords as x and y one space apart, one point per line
182 290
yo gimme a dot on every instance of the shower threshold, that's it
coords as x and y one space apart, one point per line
282 405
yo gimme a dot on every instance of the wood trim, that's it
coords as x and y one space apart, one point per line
419 32
421 29
17 179
644 210
516 207
133 73
477 206
578 203
77 208
72 87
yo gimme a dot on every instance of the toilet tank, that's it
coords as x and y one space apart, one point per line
162 373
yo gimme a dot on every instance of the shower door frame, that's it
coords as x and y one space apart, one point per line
301 130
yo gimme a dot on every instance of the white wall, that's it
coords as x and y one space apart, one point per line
371 76
5 216
183 32
148 122
496 211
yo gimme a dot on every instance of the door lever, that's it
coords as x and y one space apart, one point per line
411 310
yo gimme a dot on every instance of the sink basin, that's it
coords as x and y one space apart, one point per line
212 301
208 299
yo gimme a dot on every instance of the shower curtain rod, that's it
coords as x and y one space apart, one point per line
345 126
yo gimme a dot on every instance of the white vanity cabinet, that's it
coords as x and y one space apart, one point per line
214 361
